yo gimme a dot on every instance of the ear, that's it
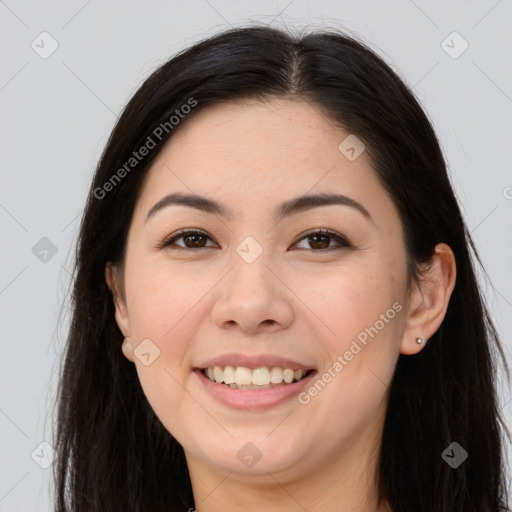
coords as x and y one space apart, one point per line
113 281
429 300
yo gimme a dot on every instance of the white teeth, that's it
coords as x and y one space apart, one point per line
262 377
288 375
276 375
229 375
243 376
218 374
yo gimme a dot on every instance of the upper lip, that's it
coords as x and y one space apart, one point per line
255 361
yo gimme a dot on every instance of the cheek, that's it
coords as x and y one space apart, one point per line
361 318
163 315
168 319
163 300
346 302
362 322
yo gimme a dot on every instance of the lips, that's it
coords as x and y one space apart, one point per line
289 377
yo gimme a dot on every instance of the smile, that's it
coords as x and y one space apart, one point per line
253 397
241 377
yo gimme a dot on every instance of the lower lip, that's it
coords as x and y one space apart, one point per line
252 398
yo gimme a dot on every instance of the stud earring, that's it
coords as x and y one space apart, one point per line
420 341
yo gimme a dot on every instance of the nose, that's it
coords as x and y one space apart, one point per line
253 297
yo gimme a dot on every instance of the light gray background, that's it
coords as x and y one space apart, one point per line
57 114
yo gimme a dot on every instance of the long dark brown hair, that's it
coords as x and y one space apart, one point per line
113 452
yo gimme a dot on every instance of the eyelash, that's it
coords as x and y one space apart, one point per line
342 241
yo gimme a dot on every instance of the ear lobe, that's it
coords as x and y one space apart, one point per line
127 349
430 300
121 311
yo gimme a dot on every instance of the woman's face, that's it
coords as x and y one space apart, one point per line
261 291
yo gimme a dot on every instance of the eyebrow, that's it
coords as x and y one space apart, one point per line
285 209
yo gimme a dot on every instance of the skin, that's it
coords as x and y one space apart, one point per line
194 304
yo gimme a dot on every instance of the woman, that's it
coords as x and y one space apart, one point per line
275 306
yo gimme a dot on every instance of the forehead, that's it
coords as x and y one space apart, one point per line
250 152
275 130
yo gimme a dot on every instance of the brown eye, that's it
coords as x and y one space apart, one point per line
194 241
320 240
191 240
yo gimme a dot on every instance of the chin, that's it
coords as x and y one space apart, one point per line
253 455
